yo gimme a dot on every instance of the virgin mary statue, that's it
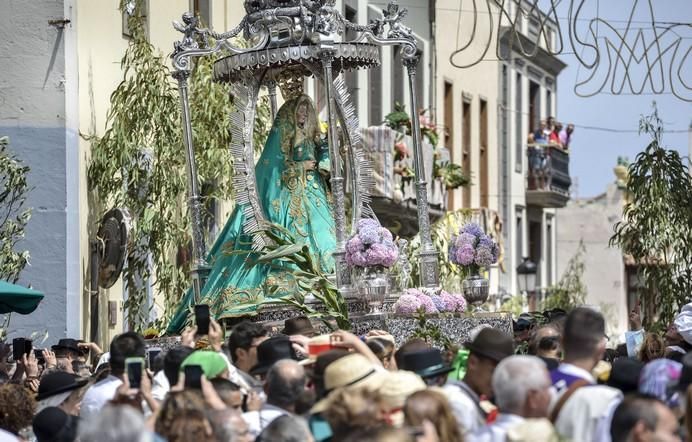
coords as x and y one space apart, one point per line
292 186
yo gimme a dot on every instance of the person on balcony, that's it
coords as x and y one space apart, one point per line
539 135
566 136
554 137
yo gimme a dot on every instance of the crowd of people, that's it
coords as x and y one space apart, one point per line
553 380
552 132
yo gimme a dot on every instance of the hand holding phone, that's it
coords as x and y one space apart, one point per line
202 319
152 353
135 370
193 376
20 347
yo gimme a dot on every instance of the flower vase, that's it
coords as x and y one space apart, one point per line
373 286
475 289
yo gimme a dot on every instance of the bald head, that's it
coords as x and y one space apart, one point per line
284 384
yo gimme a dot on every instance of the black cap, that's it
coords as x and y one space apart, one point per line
58 382
300 325
67 344
425 363
271 351
53 424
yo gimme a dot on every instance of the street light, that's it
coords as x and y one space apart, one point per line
526 276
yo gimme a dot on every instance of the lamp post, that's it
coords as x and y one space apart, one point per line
526 278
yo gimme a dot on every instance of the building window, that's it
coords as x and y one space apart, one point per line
397 76
519 235
351 76
534 26
534 106
535 244
548 103
549 250
202 9
449 132
484 152
518 132
466 148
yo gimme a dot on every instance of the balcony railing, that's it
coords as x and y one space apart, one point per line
548 179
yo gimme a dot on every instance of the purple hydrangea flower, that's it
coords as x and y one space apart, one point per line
354 244
460 302
465 255
369 235
465 239
484 257
407 304
473 229
413 292
366 223
427 304
439 303
448 301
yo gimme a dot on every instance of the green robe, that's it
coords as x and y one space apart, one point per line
291 197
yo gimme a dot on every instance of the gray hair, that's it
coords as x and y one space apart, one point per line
514 377
120 423
286 428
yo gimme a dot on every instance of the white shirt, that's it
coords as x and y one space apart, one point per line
160 386
464 407
98 395
259 420
602 431
7 437
584 410
497 431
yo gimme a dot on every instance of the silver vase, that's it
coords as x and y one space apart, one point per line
475 289
373 286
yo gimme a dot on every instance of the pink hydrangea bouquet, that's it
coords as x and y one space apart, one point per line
413 300
371 246
473 249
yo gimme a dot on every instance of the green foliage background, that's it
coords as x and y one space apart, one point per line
139 163
656 226
13 215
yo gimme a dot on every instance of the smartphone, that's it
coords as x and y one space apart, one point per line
152 353
202 319
17 348
193 376
38 352
20 347
135 370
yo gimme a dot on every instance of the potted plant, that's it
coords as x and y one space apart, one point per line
474 251
372 251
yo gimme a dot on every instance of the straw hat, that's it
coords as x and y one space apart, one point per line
397 387
352 371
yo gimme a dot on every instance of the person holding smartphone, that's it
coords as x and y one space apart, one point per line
124 346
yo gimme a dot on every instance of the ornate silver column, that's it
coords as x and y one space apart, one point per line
182 64
343 274
428 255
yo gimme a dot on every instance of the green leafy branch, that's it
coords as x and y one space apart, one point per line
656 226
285 253
13 216
139 163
